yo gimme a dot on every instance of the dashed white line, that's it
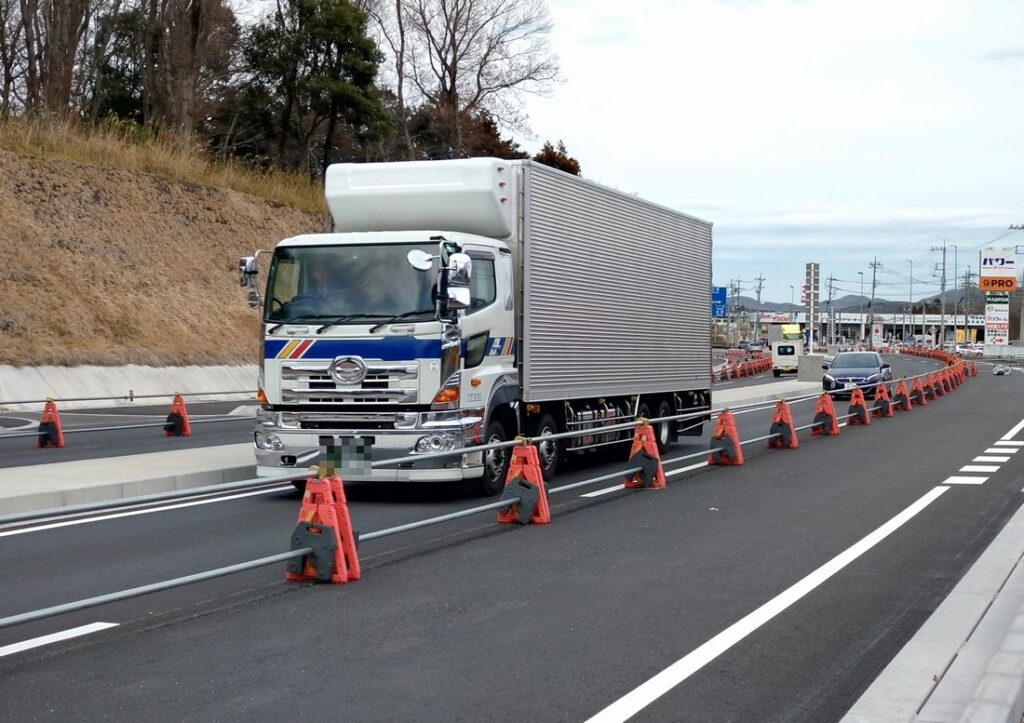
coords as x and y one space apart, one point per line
54 638
979 468
1013 432
147 511
639 698
989 458
957 480
1002 450
598 493
1008 443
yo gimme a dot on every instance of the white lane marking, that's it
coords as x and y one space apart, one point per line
980 468
598 493
1008 443
1001 450
639 698
987 458
686 469
1013 432
133 513
55 638
957 480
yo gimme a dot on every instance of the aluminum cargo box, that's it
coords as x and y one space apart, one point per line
616 292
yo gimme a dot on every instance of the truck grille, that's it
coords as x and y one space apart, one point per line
383 384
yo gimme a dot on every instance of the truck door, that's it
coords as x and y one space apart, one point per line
488 323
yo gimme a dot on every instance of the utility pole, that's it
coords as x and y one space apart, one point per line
942 297
871 307
956 294
831 314
860 320
912 332
757 318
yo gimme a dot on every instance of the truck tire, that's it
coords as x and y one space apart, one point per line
549 453
495 460
664 432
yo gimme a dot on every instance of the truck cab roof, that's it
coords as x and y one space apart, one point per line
363 238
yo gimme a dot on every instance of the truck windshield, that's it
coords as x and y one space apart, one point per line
353 284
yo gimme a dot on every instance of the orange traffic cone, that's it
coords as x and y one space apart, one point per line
644 453
825 417
916 393
727 440
50 431
525 481
782 425
858 408
938 385
324 525
883 405
901 397
177 421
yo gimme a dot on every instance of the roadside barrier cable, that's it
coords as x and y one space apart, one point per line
85 508
148 589
127 397
438 520
140 425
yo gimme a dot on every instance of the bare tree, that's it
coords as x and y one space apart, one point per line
66 23
10 40
465 56
391 27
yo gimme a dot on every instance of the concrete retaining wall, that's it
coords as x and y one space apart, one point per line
20 384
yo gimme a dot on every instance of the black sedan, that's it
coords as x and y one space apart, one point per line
853 369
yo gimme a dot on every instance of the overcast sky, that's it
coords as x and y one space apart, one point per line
815 130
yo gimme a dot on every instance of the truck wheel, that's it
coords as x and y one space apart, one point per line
549 452
664 431
495 460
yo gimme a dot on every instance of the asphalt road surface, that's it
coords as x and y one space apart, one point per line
21 451
475 621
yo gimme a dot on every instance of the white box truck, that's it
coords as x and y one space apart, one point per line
467 301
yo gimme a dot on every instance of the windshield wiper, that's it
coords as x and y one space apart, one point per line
304 317
399 317
346 318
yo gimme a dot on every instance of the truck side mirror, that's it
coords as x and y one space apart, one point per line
253 299
458 297
460 268
247 271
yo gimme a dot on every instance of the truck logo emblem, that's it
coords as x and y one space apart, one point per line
347 370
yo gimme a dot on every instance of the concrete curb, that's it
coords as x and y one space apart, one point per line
966 663
45 499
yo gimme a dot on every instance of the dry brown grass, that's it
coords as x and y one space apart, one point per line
126 147
106 259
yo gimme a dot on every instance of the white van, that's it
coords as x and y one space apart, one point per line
785 356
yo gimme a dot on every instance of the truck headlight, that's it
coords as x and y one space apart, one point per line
269 441
435 443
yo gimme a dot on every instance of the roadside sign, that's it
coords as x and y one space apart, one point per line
719 302
998 269
997 283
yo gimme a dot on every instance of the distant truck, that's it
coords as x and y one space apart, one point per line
786 348
474 300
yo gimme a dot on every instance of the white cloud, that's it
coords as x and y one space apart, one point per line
829 127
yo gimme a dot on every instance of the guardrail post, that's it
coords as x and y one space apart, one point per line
727 439
858 408
525 482
825 418
324 526
782 425
50 431
644 453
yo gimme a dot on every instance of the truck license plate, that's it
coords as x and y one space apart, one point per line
347 455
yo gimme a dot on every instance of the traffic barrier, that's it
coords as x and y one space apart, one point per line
51 434
177 421
825 417
644 453
883 405
974 369
918 392
858 408
727 440
782 425
525 481
902 398
946 377
938 385
324 526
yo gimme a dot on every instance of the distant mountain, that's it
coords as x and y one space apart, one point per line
855 302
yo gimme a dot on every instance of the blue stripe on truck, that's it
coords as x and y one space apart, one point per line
386 348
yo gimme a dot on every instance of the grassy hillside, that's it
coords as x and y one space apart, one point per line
116 252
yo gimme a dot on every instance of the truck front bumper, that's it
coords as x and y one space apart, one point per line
298 449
